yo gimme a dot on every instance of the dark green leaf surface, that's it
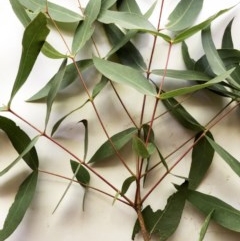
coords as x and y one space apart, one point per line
20 205
227 42
139 147
106 4
131 77
49 51
20 141
184 15
202 156
205 226
224 214
33 40
127 183
119 140
85 28
189 62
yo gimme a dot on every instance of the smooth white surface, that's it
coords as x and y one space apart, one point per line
101 221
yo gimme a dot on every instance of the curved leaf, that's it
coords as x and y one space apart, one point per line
81 173
205 226
184 14
49 51
131 77
20 205
139 147
127 183
189 62
33 40
20 141
227 42
119 140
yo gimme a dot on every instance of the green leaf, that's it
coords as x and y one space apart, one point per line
57 13
99 86
188 90
224 214
33 40
139 147
127 183
25 151
20 141
85 29
226 156
170 218
126 20
205 226
20 12
54 89
85 124
119 140
189 62
191 31
131 77
106 4
49 51
184 14
227 42
202 156
182 74
182 115
20 205
81 173
129 6
69 77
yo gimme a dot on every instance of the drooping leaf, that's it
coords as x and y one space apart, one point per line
189 62
25 151
85 28
131 77
202 156
150 218
139 147
127 183
205 226
126 20
49 51
191 31
128 54
184 15
224 214
57 12
182 74
20 141
182 115
119 140
191 89
69 77
33 40
55 85
20 12
20 205
227 42
85 124
226 156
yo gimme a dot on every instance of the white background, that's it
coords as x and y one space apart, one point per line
101 220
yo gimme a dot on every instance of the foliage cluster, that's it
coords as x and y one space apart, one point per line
124 69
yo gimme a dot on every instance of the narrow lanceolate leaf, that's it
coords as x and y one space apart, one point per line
226 156
20 205
33 40
20 141
126 20
191 89
205 226
85 28
119 140
69 77
184 15
189 62
85 124
56 12
20 12
202 156
127 183
182 115
131 77
169 219
54 89
224 214
26 150
227 42
99 86
191 31
139 147
182 74
49 51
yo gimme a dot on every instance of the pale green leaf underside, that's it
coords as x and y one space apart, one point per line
124 75
205 226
